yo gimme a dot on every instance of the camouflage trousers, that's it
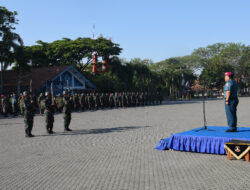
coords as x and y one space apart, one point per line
5 111
49 119
28 124
67 119
14 109
21 110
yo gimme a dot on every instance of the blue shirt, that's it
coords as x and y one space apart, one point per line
231 86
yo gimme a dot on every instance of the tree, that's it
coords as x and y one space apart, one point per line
213 73
76 52
244 67
8 39
219 58
174 72
21 66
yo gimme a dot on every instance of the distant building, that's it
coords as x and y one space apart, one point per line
41 79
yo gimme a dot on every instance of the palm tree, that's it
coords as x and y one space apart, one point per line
20 64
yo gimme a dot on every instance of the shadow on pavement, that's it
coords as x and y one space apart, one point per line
180 102
95 131
194 101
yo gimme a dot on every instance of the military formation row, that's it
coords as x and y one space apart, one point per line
28 109
48 104
94 101
80 102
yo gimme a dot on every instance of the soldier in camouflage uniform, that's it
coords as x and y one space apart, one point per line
9 98
87 102
20 103
1 103
5 105
142 100
1 111
102 101
156 98
119 99
14 105
111 100
107 104
124 100
153 98
133 99
146 98
137 99
67 106
116 100
49 112
29 107
39 100
71 98
34 98
128 99
59 103
97 101
82 101
41 103
76 102
91 101
159 98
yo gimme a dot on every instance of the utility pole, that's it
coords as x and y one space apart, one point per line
93 31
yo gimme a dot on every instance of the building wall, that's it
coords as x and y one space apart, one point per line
62 81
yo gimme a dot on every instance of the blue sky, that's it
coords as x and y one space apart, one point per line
152 29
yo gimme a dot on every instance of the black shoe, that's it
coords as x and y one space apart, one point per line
29 135
231 130
68 129
51 132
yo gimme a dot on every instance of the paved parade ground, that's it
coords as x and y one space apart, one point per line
114 149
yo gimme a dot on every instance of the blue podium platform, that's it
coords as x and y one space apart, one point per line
204 141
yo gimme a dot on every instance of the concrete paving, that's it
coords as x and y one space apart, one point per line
114 150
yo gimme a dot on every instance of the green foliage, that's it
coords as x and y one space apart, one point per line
244 66
125 76
21 59
176 72
220 58
71 52
213 72
7 20
10 42
8 39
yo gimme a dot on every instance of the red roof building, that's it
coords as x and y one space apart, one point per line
40 79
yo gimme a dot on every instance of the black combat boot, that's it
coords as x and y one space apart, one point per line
26 133
51 131
30 135
67 129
